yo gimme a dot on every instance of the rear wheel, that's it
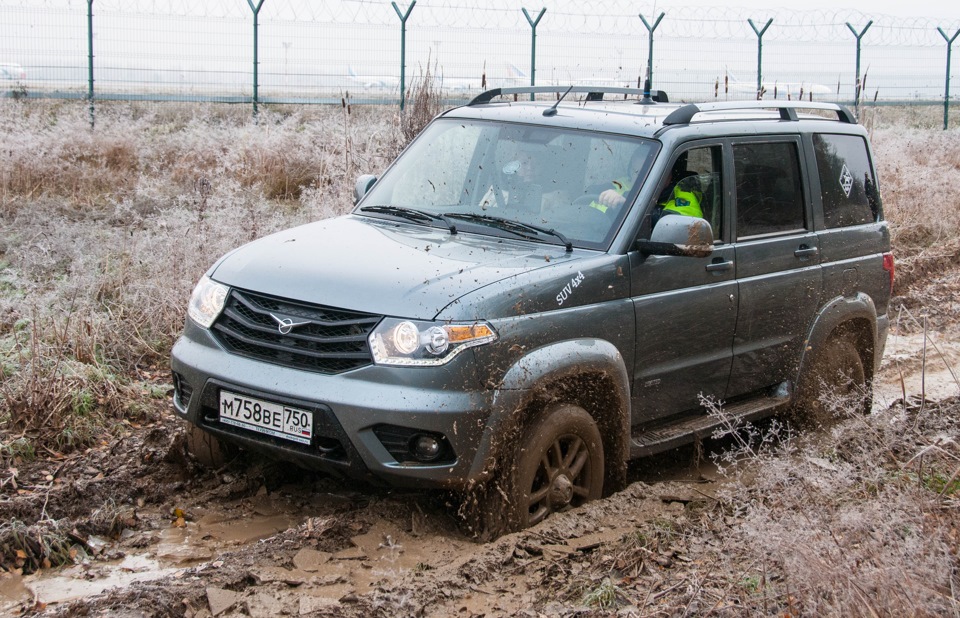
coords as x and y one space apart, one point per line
835 384
207 449
561 466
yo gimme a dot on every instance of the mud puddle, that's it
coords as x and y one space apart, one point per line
86 580
167 551
918 365
311 548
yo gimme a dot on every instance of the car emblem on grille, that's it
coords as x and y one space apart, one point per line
285 325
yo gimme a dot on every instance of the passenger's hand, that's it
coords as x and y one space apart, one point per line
611 198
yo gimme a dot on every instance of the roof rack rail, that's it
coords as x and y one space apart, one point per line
787 110
594 93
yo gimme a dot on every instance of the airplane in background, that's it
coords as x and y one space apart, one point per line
775 90
373 82
12 71
511 76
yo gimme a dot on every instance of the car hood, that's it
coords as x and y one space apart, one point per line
376 266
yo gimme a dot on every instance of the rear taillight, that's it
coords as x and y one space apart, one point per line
889 267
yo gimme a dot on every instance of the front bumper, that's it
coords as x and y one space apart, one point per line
352 412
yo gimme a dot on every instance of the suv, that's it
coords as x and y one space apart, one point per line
515 308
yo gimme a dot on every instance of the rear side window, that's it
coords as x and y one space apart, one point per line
769 191
847 183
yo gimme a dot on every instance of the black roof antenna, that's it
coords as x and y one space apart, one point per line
646 93
552 111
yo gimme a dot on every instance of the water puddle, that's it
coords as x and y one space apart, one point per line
916 366
201 540
85 580
183 545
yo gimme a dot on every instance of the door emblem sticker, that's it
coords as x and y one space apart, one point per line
846 180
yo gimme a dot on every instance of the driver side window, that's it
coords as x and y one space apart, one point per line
694 187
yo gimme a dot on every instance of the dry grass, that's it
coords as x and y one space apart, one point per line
103 234
919 170
861 521
423 104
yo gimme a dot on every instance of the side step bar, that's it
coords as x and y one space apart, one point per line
668 437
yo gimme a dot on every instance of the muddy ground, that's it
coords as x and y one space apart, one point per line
134 527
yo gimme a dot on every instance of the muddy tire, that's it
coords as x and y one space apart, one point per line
835 384
560 465
208 450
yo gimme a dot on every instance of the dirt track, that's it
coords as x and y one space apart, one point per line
151 533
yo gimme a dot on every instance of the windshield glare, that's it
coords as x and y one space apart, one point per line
576 182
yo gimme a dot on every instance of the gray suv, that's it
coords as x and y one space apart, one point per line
536 292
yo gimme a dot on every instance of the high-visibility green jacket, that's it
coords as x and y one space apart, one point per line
684 202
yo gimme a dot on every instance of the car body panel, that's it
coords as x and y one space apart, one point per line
632 338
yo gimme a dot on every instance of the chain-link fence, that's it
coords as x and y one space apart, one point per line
314 51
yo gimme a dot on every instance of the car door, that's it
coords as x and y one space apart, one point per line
685 307
777 263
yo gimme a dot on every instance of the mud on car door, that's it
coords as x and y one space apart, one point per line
778 263
685 307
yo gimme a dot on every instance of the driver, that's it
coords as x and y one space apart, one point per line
614 198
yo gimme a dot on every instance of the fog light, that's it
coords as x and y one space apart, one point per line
426 448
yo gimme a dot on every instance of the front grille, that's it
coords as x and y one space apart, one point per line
322 339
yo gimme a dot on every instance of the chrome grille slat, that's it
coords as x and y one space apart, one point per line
271 329
330 341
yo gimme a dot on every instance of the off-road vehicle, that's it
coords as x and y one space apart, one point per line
513 308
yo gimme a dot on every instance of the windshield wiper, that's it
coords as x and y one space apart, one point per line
411 214
509 225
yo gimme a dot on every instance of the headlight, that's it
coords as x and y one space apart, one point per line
206 302
405 342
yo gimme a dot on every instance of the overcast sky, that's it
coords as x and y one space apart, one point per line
947 9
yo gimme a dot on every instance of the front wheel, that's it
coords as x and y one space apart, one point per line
208 450
561 465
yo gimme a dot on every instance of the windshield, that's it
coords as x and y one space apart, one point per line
577 183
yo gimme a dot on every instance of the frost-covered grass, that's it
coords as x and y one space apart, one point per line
861 520
919 170
104 232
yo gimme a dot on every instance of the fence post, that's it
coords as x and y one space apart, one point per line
90 60
533 46
946 91
856 97
759 34
650 30
256 83
403 48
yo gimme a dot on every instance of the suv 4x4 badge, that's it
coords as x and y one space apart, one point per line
285 325
846 180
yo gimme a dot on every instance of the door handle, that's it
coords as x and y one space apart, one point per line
804 251
717 267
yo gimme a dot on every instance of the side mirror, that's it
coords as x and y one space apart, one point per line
679 235
363 185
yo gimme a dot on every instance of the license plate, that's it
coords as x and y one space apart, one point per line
273 419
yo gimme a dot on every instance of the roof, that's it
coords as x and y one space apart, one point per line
627 111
